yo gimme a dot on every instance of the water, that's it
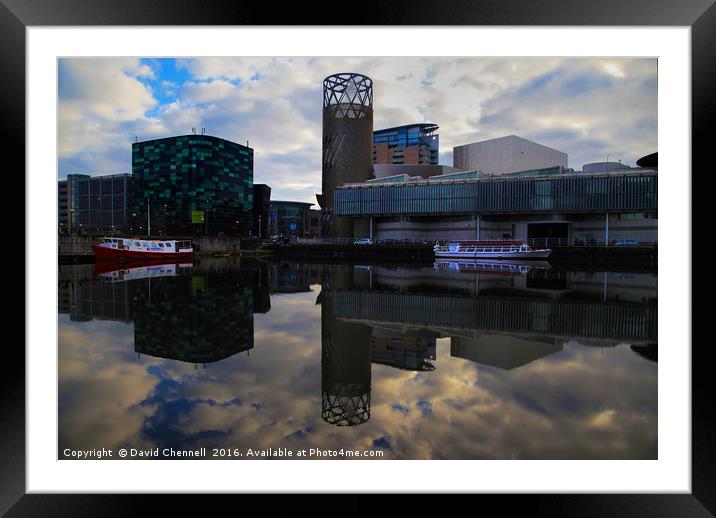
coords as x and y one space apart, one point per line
402 362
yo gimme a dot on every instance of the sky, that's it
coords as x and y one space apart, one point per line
590 108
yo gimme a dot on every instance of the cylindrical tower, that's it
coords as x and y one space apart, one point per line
347 142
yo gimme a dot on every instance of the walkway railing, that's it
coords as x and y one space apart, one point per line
352 240
557 242
547 242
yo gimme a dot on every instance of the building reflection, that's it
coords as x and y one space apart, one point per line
500 318
198 313
648 351
194 318
505 352
411 350
562 305
288 277
345 360
388 316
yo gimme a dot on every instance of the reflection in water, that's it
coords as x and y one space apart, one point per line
473 361
648 351
345 361
194 318
502 351
410 350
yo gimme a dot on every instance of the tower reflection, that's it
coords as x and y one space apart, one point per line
345 360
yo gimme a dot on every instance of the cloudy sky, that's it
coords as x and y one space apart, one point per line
588 108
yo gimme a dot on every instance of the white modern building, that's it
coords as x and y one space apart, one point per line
506 155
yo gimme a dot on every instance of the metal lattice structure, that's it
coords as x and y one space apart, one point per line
348 95
347 142
345 405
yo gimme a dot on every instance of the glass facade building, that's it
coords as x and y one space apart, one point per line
63 207
94 203
290 218
627 192
415 144
193 185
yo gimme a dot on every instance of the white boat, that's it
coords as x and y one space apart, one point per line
490 250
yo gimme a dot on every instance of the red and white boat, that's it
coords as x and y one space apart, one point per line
135 248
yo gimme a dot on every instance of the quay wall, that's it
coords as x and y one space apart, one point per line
78 249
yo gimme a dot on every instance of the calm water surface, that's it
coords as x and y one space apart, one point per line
427 362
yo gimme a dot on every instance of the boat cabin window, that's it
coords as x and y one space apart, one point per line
161 245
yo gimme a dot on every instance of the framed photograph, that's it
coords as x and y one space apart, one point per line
424 252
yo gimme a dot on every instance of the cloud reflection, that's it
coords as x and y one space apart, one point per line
569 401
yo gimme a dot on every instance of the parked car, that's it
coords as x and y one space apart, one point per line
626 242
280 239
364 241
389 241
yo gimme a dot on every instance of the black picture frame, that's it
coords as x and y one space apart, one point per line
16 15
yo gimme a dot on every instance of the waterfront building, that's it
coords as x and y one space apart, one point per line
63 207
506 155
412 144
347 141
193 185
261 210
94 203
290 218
551 203
314 222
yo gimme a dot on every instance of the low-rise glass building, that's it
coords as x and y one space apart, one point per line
534 205
94 203
193 185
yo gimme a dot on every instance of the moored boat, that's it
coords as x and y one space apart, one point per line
490 250
119 248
